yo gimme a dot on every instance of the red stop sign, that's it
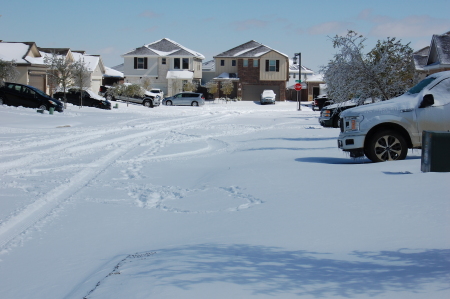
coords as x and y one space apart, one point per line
298 86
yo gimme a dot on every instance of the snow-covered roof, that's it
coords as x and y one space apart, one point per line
91 61
250 49
293 68
229 76
180 75
315 78
21 53
209 66
119 67
163 47
439 54
109 72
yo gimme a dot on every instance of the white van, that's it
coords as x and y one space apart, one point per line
385 130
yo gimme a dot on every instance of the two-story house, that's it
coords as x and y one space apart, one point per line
166 63
253 67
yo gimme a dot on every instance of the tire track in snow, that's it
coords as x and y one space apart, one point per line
42 207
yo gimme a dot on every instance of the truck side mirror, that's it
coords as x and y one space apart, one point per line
427 101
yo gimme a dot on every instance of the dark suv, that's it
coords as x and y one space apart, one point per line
320 102
27 96
89 98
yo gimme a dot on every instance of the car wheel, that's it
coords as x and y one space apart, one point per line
386 146
42 107
109 98
169 103
2 100
194 103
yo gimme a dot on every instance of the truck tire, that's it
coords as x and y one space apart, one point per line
148 103
386 145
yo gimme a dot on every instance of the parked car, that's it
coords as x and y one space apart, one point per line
385 130
267 97
185 99
27 96
329 115
103 91
89 98
320 102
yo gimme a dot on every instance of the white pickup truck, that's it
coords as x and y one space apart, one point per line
385 130
157 92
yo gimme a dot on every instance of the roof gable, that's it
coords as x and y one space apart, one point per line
163 47
251 49
439 50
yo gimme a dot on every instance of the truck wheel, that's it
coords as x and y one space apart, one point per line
148 104
2 100
386 146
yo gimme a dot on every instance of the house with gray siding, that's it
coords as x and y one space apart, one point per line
166 63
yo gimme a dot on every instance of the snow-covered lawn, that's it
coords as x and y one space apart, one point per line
232 200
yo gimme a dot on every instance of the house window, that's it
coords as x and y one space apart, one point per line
245 62
185 63
163 61
140 63
255 62
222 62
272 65
176 63
233 62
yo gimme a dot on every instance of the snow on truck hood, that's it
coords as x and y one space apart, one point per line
403 102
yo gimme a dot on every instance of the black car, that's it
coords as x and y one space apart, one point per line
88 98
27 96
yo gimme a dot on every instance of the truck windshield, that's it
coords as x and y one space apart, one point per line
421 85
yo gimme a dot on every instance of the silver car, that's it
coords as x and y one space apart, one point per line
185 99
268 97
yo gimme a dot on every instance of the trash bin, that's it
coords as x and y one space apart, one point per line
435 151
51 110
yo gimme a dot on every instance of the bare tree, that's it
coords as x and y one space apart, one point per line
59 72
8 71
81 77
146 83
189 86
383 73
227 88
212 87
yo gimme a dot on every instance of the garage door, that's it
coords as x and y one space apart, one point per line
253 92
38 81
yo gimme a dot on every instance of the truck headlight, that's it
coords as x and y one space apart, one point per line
351 123
326 113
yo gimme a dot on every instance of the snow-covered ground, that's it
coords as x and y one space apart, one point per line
232 200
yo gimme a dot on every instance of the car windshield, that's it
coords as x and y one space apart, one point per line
421 85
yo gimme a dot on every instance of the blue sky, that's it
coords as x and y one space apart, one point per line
111 28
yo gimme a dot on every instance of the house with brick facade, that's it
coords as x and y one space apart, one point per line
166 63
253 67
